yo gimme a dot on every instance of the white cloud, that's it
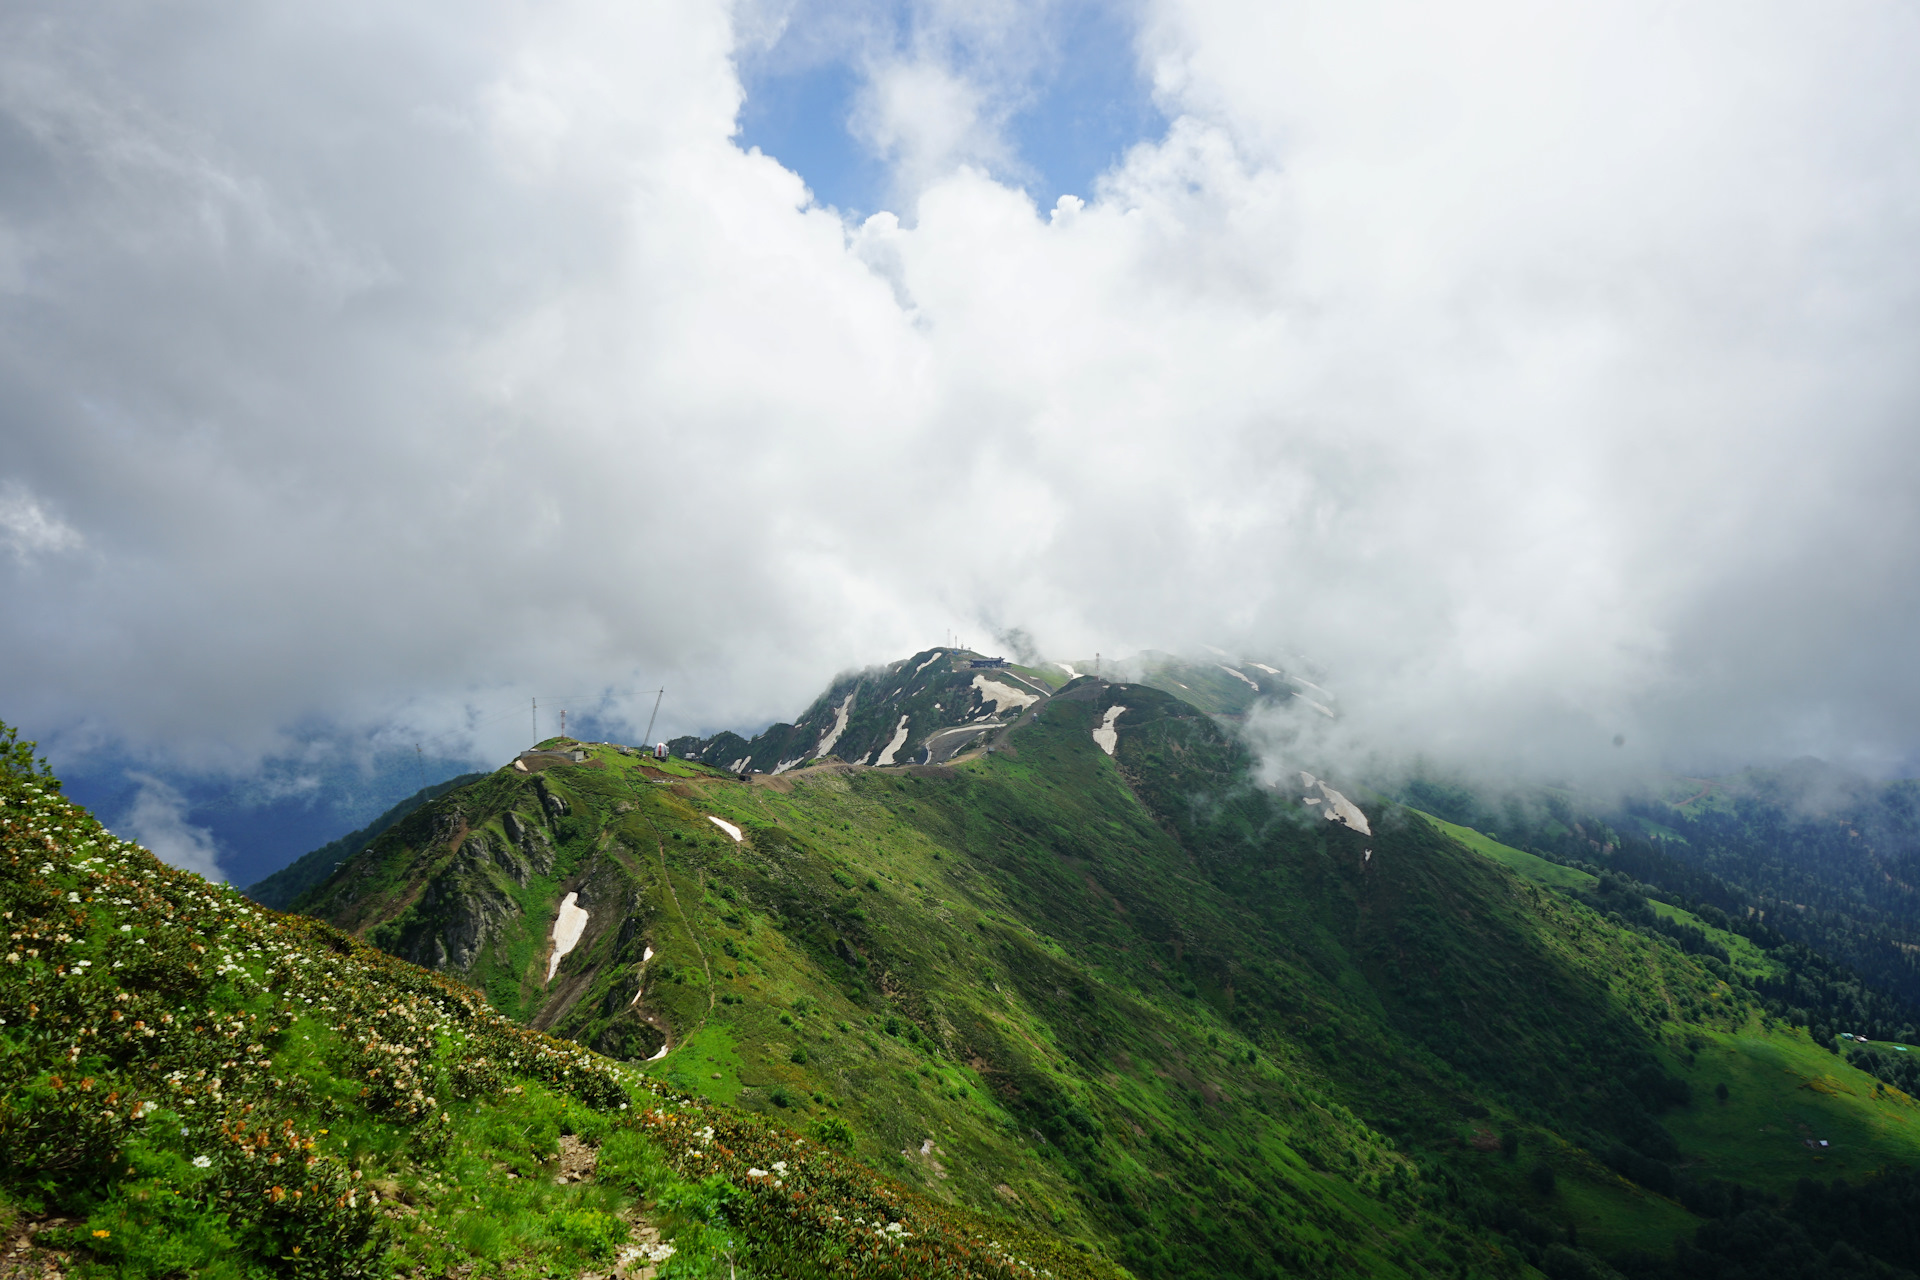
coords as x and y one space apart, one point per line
158 820
926 120
29 529
1540 374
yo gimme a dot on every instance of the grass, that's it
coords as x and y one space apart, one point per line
212 1087
1782 1092
1742 954
1134 1003
1533 867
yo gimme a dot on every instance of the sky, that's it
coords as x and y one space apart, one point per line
1534 376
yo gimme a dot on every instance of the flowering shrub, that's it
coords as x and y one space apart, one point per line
221 1089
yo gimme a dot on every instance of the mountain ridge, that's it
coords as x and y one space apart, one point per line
836 939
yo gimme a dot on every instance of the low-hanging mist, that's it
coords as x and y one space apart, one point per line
1542 377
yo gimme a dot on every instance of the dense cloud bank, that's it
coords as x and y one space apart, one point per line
1542 375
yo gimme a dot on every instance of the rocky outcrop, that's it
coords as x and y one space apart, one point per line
461 910
552 801
535 846
454 921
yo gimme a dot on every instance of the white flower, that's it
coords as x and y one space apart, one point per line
200 1162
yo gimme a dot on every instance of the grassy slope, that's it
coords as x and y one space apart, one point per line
198 1085
1532 866
1741 951
1032 982
280 889
1783 1090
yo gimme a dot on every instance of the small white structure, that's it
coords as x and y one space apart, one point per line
659 751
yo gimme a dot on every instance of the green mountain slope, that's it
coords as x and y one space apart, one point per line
281 888
941 702
193 1085
1134 998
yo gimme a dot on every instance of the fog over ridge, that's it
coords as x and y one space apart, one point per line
1541 376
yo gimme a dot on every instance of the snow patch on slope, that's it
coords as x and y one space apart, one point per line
725 826
1237 675
1068 668
1339 808
642 988
899 740
839 727
567 928
1106 735
1003 696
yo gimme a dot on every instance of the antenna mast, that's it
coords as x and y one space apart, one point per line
657 695
536 721
563 722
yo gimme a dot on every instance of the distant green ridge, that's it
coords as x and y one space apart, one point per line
284 886
1532 866
1114 988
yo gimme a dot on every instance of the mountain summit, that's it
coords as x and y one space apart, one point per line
1064 986
1044 944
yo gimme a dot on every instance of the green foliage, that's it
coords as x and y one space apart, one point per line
210 1088
18 765
595 1235
1542 1178
1130 1006
283 887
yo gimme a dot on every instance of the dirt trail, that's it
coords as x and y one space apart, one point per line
1706 788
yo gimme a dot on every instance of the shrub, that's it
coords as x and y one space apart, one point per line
596 1235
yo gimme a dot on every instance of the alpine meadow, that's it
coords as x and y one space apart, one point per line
925 640
1084 997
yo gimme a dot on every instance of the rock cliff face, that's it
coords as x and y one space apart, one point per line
920 710
475 887
461 911
938 704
